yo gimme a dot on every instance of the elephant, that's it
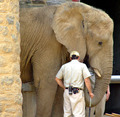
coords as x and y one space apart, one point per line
49 34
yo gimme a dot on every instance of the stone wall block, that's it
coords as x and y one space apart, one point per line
10 83
4 39
3 7
2 21
1 1
17 49
14 37
19 112
10 19
18 99
4 30
14 7
8 115
4 98
2 61
13 58
7 48
1 108
13 110
10 109
1 28
7 80
17 80
18 26
16 69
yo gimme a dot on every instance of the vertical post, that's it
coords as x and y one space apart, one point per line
10 83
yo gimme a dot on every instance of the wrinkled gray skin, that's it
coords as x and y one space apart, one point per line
48 34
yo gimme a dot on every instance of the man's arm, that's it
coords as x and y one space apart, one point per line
108 93
88 85
60 83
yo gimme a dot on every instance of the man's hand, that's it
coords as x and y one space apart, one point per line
108 93
107 96
91 95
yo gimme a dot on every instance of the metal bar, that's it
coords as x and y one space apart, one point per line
28 87
115 79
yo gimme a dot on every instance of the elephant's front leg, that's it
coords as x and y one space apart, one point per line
45 68
45 96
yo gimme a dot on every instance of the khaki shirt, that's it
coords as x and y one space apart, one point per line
73 73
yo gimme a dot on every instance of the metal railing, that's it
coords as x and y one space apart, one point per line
115 79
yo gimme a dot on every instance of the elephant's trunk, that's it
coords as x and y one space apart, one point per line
98 92
101 85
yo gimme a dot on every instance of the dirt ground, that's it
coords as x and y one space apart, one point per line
110 116
105 116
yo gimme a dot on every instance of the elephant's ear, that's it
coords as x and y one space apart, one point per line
69 28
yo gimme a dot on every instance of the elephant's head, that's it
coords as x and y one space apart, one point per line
89 31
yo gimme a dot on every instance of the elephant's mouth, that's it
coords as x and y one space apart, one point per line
92 69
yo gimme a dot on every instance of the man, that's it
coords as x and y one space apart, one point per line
74 74
100 107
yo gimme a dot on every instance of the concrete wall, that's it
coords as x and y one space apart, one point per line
10 83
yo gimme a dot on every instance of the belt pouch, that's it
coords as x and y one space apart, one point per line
75 90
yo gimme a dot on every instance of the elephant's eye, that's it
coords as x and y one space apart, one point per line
100 43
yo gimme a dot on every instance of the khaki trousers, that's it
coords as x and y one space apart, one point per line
74 105
98 109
